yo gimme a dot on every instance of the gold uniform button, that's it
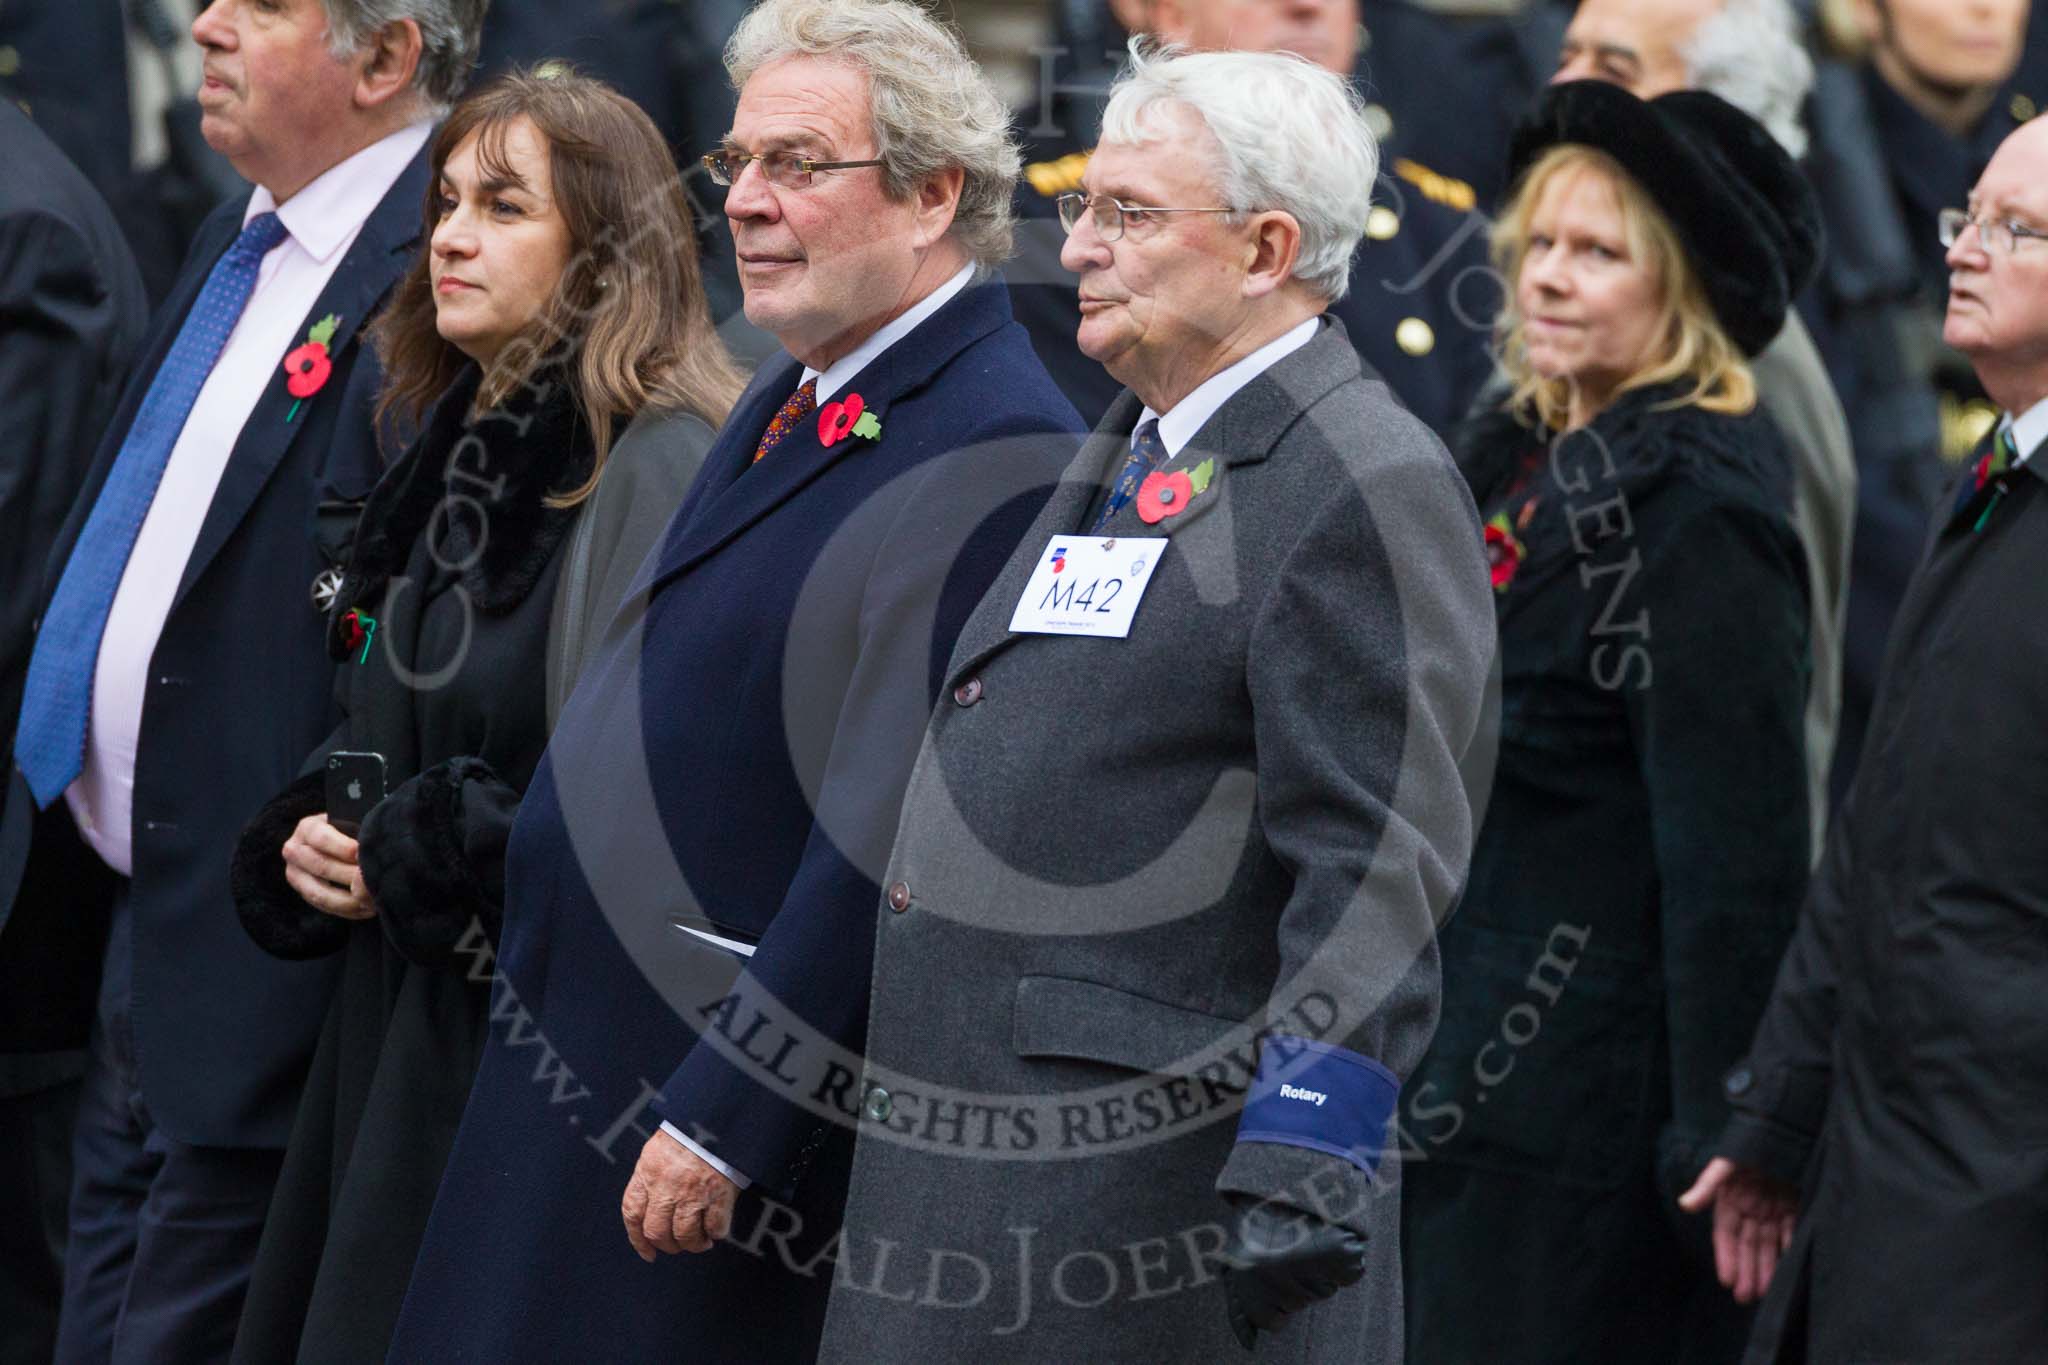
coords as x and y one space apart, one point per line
1415 336
1380 121
1382 223
2023 108
10 61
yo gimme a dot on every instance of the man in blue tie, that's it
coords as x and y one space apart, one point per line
178 675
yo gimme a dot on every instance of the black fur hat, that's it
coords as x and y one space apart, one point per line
1740 205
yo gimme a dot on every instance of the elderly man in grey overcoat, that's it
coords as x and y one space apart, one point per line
1158 936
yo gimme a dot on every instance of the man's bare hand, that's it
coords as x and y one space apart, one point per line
675 1202
320 864
1753 1220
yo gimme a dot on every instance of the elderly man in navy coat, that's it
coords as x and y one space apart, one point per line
1160 941
693 878
179 673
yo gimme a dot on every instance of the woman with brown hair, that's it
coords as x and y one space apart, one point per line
553 350
1644 846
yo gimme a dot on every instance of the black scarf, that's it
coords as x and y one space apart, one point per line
506 461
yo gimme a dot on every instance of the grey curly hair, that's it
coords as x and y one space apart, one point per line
450 31
931 108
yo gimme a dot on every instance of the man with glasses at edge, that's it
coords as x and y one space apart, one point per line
1891 1119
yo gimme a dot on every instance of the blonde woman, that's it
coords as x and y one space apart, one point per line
557 303
1645 846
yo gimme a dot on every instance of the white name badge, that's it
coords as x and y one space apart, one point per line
1088 585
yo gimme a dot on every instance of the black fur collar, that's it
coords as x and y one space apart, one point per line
505 462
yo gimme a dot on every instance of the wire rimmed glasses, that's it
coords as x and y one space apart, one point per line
1109 215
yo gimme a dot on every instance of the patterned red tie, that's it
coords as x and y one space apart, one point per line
795 408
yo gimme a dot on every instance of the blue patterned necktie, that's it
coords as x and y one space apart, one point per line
1148 453
49 742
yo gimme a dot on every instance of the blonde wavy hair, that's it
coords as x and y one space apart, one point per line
1695 347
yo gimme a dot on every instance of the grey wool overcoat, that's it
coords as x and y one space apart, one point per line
1133 875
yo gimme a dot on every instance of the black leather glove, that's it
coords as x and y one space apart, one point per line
1281 1260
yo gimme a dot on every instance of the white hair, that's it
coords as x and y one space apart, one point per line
1748 52
1288 135
450 31
930 107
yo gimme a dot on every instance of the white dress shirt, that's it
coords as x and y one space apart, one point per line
322 220
2029 430
831 379
1178 426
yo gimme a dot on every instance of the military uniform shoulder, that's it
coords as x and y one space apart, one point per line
1447 190
1059 175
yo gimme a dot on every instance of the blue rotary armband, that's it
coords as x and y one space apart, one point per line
1310 1094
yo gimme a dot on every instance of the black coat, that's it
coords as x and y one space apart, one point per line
1902 1065
239 689
71 315
1634 880
451 690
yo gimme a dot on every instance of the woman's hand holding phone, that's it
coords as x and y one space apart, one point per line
320 864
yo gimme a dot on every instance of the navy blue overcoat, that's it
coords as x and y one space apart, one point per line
727 778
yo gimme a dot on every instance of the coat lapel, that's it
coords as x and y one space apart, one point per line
748 492
1243 431
1100 460
375 260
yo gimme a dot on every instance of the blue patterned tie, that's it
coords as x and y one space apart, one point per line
49 742
1148 453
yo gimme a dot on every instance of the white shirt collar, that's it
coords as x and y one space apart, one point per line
326 214
834 377
1178 426
2029 429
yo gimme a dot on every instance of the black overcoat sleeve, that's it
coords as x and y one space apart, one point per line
1779 1093
1716 688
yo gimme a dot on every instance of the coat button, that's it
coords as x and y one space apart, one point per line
1415 336
1739 1082
899 897
879 1105
968 693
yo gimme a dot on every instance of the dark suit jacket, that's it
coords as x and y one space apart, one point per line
239 691
731 760
71 315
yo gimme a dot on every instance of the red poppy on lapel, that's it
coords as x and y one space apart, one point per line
1164 495
839 419
1504 553
361 630
308 366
